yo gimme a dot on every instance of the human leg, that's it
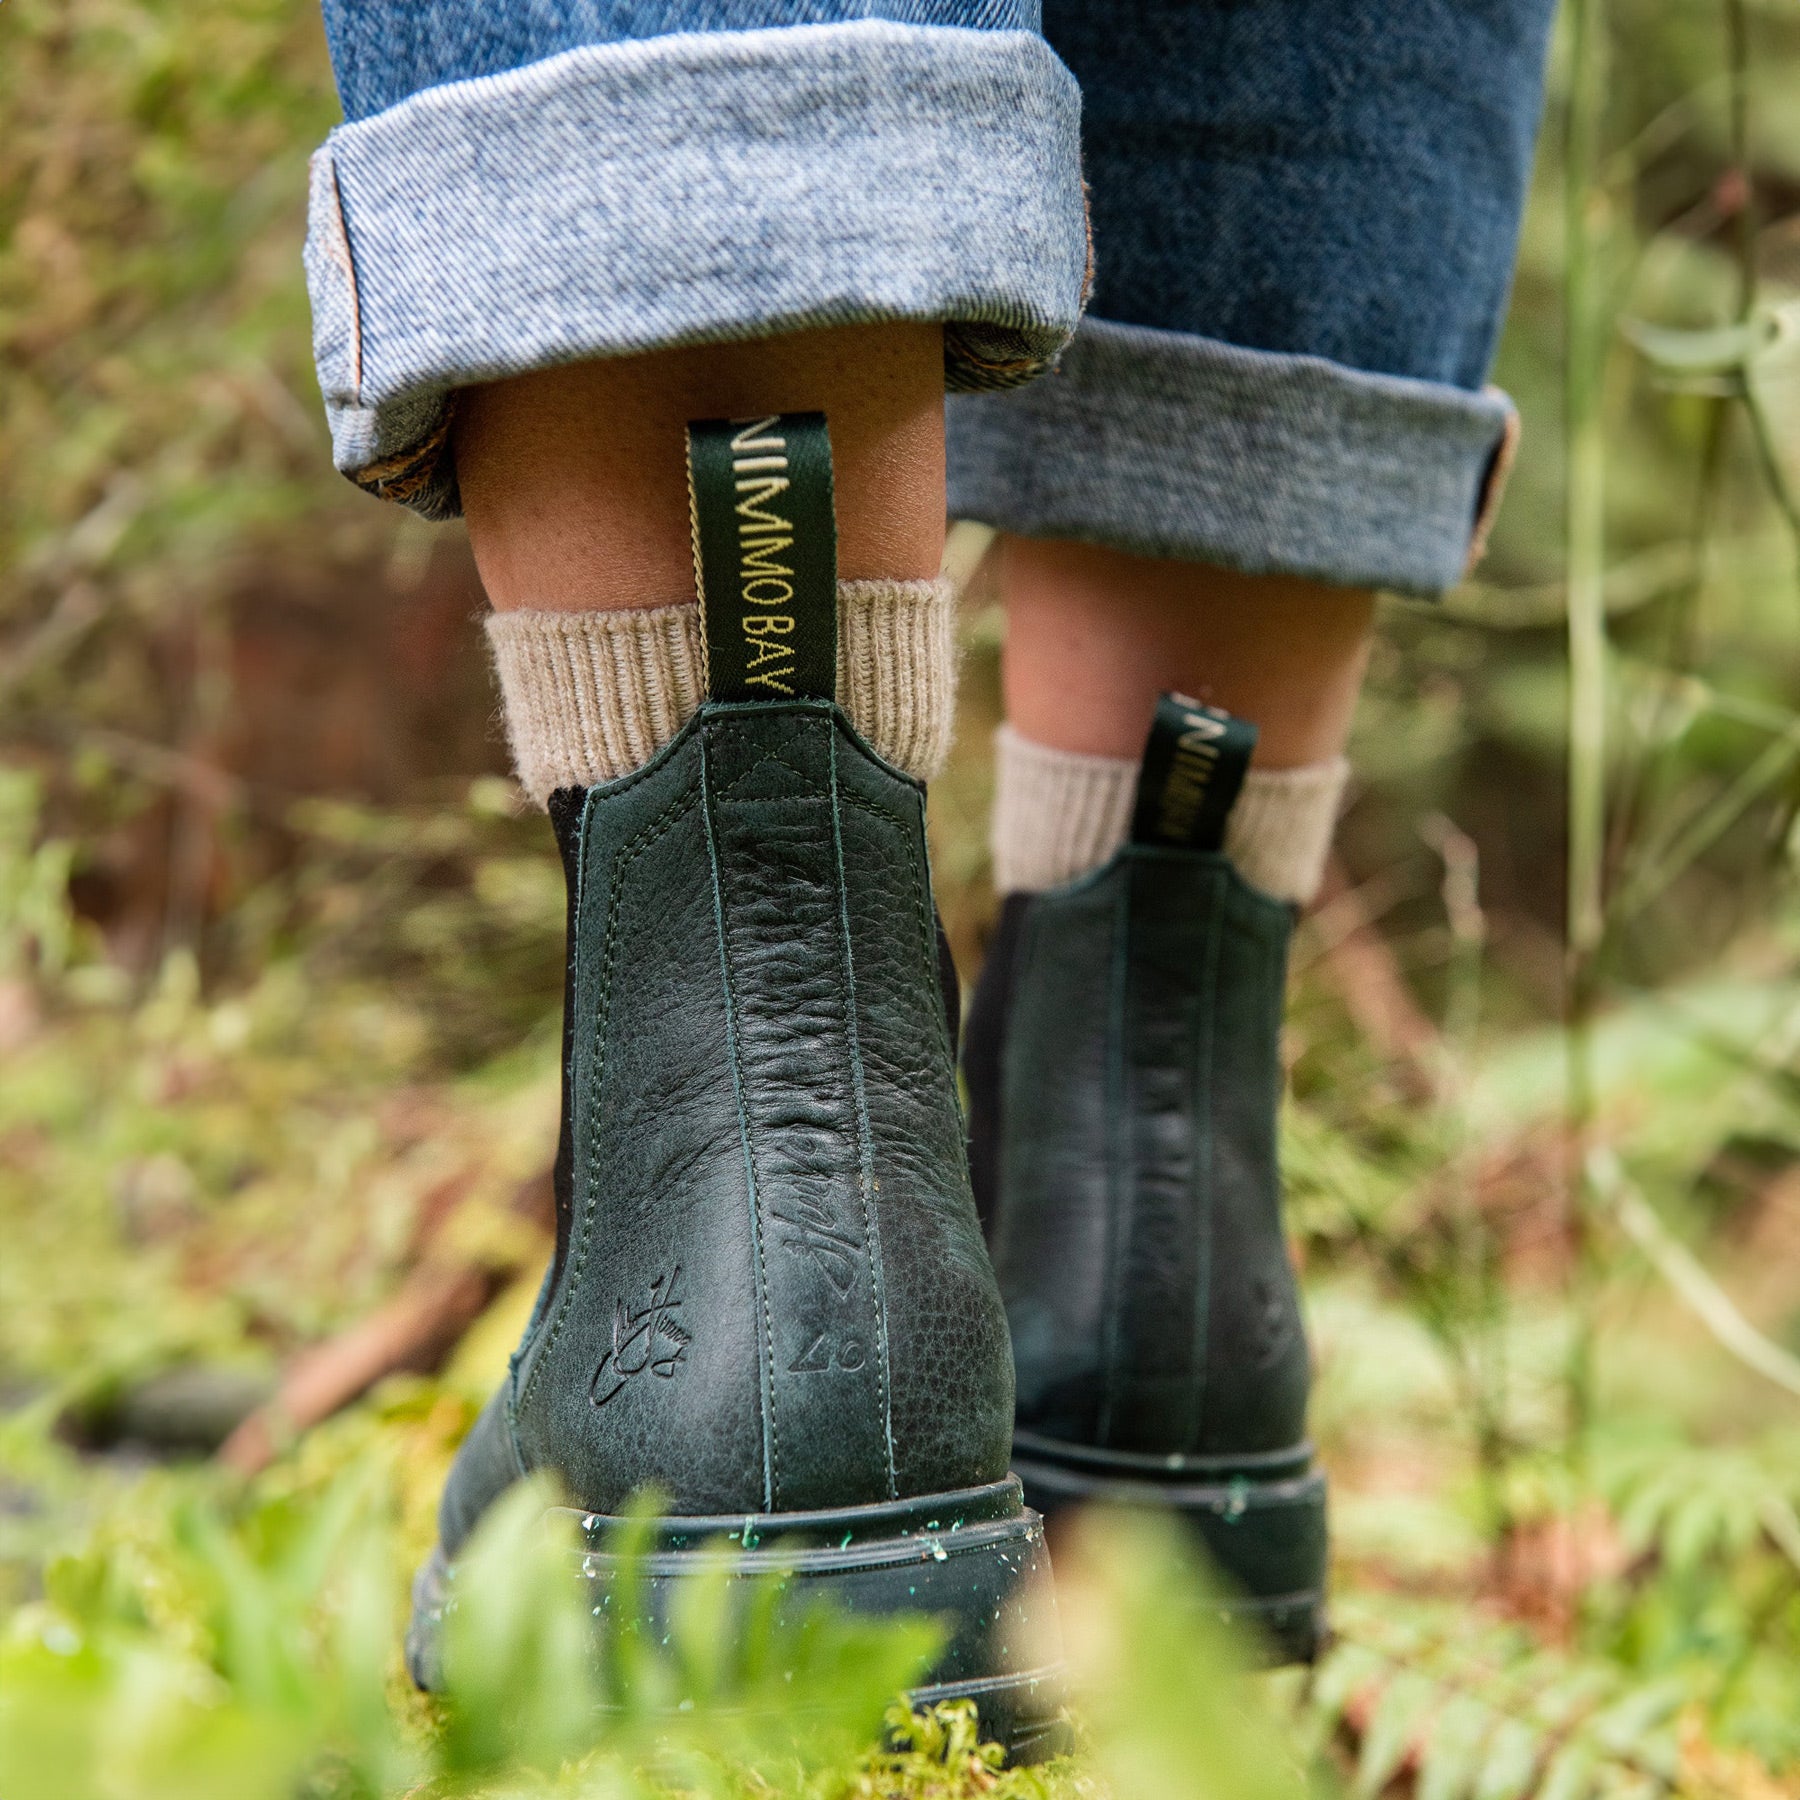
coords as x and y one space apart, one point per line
574 480
542 280
576 489
1304 223
1094 635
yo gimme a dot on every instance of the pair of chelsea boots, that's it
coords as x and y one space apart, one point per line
770 1301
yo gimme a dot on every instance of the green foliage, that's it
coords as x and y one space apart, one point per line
1476 1712
257 1018
157 399
199 1643
1168 1702
37 932
187 1652
1713 1598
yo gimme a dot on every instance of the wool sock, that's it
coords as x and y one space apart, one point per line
1058 814
590 696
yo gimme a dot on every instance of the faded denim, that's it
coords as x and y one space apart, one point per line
1304 216
1334 184
1170 445
382 53
634 195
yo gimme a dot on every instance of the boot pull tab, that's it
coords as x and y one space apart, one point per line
1194 764
765 555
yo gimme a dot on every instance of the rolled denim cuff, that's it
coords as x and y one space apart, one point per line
697 188
1170 445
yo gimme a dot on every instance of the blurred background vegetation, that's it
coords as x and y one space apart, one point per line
279 964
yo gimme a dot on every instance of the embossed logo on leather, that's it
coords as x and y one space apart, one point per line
821 1354
645 1338
812 1232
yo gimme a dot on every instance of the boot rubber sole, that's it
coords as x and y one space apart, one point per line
974 1558
1260 1518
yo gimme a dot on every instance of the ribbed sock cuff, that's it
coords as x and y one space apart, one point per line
1059 814
590 696
1279 833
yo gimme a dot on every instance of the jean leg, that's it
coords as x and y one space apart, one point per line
1305 217
522 183
383 51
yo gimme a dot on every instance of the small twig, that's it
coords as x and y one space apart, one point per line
206 781
1663 865
1628 585
1462 877
966 546
416 1329
1375 993
1347 909
87 544
80 607
1585 346
1682 1270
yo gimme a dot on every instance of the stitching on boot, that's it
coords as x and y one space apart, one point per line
744 731
865 1149
772 1432
871 1246
768 756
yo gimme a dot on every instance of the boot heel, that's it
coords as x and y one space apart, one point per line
974 1558
1261 1520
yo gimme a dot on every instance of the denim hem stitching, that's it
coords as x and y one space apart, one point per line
1168 444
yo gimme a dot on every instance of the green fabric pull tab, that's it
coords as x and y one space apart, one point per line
765 555
1194 764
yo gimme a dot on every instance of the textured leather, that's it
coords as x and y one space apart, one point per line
770 1291
1123 1066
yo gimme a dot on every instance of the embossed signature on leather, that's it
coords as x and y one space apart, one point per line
1273 1322
647 1338
813 1233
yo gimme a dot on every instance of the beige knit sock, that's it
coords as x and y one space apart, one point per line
1058 814
590 696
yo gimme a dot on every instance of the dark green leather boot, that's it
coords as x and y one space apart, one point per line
770 1301
1122 1060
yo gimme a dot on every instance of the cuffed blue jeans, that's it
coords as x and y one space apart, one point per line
1293 246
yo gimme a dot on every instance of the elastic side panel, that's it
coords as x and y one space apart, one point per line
644 1368
565 807
983 1052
